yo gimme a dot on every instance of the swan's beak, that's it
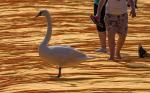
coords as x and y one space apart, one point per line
39 14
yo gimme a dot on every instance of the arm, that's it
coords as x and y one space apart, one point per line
132 13
100 6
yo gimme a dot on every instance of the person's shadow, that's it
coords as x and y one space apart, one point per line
142 60
135 61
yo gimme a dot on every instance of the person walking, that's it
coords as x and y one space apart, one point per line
116 21
101 29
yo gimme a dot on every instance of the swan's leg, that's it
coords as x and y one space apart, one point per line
59 73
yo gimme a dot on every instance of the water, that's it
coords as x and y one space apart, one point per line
22 71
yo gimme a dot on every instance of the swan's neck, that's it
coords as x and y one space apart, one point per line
49 31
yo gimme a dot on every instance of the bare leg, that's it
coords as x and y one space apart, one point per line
102 37
111 43
120 43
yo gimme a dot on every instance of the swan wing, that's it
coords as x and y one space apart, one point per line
65 55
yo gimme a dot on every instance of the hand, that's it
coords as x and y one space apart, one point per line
133 13
97 18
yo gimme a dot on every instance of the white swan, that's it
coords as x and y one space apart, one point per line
58 55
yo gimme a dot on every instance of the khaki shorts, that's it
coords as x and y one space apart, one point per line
117 23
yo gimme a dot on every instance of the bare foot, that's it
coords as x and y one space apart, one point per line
111 59
118 56
103 50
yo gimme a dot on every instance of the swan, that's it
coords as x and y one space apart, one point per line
58 55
